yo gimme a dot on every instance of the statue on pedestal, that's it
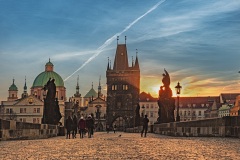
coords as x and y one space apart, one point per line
51 113
165 102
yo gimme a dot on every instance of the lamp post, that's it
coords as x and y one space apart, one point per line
178 91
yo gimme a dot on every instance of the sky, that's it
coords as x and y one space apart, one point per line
197 42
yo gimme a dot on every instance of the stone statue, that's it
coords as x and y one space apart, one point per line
165 102
51 113
166 79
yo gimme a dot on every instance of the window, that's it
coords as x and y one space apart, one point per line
185 113
194 113
38 110
147 105
7 110
180 113
199 113
23 110
189 113
151 114
151 105
125 87
34 110
38 121
34 120
114 87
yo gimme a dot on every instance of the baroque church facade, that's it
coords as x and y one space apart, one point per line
29 108
123 87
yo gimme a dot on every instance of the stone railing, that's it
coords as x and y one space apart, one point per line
13 130
218 127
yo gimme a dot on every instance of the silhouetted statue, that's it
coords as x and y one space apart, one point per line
166 79
51 113
165 102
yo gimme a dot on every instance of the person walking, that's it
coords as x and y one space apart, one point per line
114 128
145 126
69 124
107 128
75 126
81 126
90 125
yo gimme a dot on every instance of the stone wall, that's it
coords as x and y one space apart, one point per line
217 127
13 130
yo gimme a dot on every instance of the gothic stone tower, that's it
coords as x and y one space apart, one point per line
123 83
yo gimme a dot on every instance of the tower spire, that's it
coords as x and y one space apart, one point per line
136 61
132 62
24 94
99 87
108 64
77 94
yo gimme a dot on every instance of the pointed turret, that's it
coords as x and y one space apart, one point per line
77 94
99 88
108 64
25 94
136 66
13 90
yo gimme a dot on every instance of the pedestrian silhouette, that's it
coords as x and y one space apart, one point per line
145 126
81 127
69 124
75 123
114 128
90 125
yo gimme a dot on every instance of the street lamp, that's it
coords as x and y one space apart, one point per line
178 91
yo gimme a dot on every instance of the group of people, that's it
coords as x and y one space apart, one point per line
87 125
83 125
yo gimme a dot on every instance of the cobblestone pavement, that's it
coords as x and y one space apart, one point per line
128 146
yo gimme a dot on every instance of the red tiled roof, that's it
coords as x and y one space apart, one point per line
197 101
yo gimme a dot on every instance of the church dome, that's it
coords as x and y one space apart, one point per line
13 87
43 77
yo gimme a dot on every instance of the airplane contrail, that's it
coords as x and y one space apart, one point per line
110 40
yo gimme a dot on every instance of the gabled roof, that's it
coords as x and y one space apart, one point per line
29 98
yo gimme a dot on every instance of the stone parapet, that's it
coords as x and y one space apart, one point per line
13 130
215 127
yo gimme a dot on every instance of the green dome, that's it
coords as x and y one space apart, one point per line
13 87
43 77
